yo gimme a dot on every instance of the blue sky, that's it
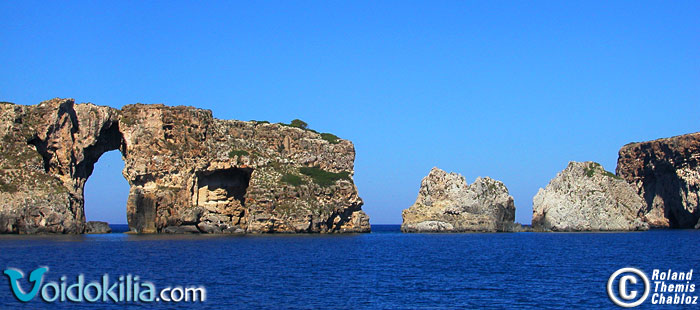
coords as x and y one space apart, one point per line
513 90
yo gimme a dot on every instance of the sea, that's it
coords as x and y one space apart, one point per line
385 269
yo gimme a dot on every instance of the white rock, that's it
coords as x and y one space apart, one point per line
585 197
446 203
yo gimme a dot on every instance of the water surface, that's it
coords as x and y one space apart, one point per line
382 270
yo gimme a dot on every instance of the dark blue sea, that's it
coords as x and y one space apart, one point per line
382 270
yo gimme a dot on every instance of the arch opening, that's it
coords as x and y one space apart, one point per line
106 192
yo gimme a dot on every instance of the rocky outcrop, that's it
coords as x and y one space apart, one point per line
585 197
446 203
666 173
97 227
188 171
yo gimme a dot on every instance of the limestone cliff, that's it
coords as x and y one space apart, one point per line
666 173
188 171
446 203
585 197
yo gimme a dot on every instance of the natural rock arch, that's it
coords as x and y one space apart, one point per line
55 146
75 139
187 171
106 191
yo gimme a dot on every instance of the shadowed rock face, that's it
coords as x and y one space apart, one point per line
585 197
446 203
188 171
666 173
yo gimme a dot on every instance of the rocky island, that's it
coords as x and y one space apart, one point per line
586 197
188 171
446 203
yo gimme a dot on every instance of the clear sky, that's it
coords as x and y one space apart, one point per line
513 90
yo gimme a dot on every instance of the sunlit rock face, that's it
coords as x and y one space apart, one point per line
188 171
585 197
666 173
446 203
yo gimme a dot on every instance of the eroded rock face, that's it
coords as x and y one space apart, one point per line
224 176
666 173
446 203
585 197
188 171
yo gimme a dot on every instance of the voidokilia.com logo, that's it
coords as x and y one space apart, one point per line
129 288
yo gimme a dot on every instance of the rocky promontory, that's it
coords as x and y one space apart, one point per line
446 203
666 173
586 197
188 171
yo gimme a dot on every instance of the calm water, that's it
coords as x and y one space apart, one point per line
381 270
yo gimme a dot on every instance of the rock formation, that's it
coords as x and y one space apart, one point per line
666 173
47 153
188 171
585 197
97 227
446 203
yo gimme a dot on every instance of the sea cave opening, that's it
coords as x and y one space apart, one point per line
223 187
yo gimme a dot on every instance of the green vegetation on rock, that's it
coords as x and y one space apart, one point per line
128 121
234 153
299 124
331 138
323 177
591 169
292 179
589 172
610 174
7 187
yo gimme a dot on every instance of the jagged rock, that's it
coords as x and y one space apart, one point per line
666 173
96 227
188 171
446 203
585 197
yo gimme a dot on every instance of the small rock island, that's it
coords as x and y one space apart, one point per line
586 197
446 203
97 227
